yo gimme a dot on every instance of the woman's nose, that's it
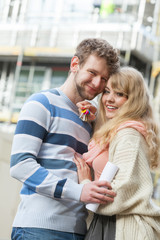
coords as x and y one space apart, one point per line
110 97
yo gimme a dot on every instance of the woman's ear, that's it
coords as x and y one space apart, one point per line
74 66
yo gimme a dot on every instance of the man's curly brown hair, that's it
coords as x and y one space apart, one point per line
100 48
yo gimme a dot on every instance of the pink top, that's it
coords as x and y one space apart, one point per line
97 158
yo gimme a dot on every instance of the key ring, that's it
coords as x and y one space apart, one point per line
84 114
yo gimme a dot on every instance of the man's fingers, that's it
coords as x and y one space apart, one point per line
92 108
80 104
102 199
91 117
103 184
96 192
88 106
106 191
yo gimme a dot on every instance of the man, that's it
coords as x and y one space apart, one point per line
48 133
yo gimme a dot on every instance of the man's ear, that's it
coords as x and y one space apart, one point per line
74 66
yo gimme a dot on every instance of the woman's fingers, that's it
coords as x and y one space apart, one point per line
78 160
83 169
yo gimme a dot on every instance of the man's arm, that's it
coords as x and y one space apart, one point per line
32 127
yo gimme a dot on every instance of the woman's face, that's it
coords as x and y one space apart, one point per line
112 101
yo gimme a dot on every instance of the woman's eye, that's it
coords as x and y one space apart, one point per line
120 94
106 92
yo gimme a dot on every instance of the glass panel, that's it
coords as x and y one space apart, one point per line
21 89
21 93
58 78
37 81
27 85
24 76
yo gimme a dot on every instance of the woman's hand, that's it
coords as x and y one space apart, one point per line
85 105
83 170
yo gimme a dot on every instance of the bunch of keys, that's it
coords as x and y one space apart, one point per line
84 114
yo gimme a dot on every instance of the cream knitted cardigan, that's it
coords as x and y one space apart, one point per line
137 217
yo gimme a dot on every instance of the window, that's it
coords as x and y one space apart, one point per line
58 77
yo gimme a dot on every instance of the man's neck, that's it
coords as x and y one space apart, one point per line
69 89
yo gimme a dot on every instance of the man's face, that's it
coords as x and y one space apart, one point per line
90 79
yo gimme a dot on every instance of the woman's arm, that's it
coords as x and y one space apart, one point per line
132 183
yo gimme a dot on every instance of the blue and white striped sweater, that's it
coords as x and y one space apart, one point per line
48 133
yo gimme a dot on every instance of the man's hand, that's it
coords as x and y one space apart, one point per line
87 105
96 192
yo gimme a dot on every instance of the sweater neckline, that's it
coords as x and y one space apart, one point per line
71 104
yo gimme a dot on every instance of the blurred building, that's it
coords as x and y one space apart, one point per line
37 41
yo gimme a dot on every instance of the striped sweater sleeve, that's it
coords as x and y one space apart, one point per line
31 130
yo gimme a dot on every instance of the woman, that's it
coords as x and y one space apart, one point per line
127 135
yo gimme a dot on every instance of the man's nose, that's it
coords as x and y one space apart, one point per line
97 81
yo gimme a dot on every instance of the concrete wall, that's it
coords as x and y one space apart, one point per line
9 187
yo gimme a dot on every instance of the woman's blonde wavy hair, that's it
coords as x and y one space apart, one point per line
131 83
